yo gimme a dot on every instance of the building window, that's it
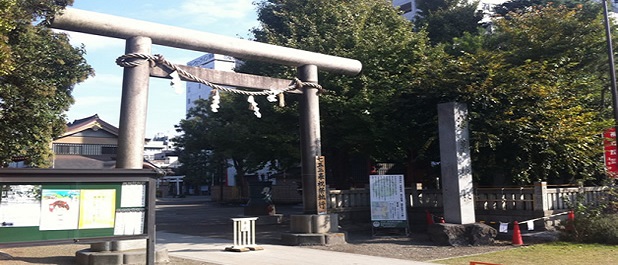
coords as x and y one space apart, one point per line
84 149
407 8
69 149
108 150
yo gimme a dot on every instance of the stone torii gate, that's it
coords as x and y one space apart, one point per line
140 35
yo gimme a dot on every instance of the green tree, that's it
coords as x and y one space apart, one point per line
534 91
234 136
6 26
448 19
38 72
360 115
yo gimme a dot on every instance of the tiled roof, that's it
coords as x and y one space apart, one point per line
89 123
79 161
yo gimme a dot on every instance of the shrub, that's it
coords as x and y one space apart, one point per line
594 223
599 229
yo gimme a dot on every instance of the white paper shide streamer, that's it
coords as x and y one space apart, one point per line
254 106
216 99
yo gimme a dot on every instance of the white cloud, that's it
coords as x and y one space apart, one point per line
201 13
219 9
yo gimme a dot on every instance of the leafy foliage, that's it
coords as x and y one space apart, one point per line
533 88
447 19
535 96
595 222
235 137
38 72
360 115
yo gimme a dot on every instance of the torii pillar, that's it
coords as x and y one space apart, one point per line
310 141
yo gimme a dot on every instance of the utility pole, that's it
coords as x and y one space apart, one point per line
612 70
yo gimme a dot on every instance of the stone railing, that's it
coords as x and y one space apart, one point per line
539 197
348 200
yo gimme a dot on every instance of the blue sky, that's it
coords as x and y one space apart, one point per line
101 94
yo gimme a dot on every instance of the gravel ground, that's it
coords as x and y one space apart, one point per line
416 247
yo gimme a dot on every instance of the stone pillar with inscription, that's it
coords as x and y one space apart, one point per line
457 186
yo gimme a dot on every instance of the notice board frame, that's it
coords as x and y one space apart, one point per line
392 202
89 178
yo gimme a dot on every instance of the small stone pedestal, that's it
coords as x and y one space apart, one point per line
314 229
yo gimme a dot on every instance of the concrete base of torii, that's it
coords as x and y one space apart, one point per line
118 253
314 229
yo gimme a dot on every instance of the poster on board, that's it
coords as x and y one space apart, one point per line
59 209
130 222
20 205
97 208
133 194
388 201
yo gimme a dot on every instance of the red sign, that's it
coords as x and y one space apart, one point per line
611 155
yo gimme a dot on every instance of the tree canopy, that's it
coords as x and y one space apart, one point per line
234 136
38 70
533 87
447 19
535 95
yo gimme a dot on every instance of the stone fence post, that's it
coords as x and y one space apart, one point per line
540 196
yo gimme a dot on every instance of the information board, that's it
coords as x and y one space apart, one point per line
388 201
56 206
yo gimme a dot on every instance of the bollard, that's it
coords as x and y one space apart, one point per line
244 235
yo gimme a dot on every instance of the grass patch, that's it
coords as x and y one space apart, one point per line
558 253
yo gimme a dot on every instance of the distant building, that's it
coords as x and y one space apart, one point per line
410 10
87 143
407 7
161 152
219 62
92 143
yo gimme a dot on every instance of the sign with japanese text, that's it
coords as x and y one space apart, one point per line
388 201
320 172
611 155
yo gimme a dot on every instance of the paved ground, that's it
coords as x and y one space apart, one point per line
195 231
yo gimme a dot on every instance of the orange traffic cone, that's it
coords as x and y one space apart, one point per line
570 221
517 241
